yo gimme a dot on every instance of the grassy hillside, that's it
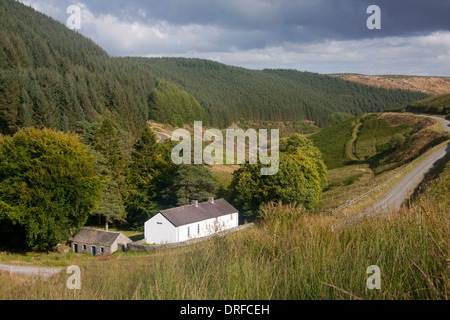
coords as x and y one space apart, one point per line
436 185
439 188
374 136
333 143
383 141
299 258
435 105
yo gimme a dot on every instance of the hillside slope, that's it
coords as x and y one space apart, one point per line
54 77
428 85
434 105
230 94
383 141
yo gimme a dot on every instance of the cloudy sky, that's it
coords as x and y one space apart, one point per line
325 36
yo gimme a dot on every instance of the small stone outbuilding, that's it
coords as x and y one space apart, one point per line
99 242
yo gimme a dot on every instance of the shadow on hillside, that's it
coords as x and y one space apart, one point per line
430 176
381 159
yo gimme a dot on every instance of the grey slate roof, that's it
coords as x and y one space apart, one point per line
96 237
184 215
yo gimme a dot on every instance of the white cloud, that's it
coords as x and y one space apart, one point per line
41 7
137 38
421 55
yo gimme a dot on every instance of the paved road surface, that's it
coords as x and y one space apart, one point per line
163 137
30 271
403 188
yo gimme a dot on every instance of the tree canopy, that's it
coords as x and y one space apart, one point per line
111 165
48 186
190 182
300 179
142 182
170 104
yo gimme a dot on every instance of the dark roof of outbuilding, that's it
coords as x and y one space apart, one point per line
97 237
184 215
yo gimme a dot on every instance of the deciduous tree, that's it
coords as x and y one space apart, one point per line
300 179
48 186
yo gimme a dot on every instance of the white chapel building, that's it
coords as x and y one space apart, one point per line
191 221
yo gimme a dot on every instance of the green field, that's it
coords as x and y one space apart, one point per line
333 143
374 141
374 135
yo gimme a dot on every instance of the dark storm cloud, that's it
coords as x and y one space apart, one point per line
288 20
344 19
278 21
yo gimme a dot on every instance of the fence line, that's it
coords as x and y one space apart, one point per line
350 202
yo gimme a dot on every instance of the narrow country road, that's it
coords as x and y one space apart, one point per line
162 136
403 188
30 271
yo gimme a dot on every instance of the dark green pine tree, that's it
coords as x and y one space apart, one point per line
108 143
191 182
146 165
112 167
111 206
9 103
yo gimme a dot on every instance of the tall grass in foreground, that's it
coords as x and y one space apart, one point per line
291 255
